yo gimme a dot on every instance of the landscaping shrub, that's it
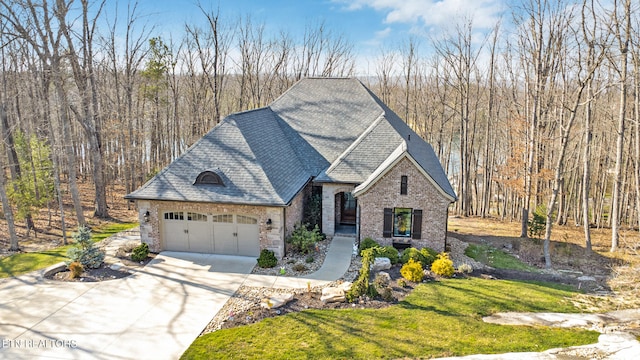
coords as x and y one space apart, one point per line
309 259
304 240
412 271
313 210
361 286
299 267
413 254
84 251
387 294
380 281
75 269
140 252
388 252
465 268
443 266
267 259
367 243
430 256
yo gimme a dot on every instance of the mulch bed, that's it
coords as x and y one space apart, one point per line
304 300
103 273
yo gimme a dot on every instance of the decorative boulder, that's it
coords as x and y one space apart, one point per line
385 277
380 264
332 294
116 266
346 286
276 301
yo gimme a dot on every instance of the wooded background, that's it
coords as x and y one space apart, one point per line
541 115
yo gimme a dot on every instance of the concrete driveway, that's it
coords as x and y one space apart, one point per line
155 313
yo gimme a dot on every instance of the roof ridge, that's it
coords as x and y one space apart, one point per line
257 158
266 107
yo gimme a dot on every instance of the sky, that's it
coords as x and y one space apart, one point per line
370 25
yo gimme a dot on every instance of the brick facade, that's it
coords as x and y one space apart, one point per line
294 213
151 231
422 194
385 193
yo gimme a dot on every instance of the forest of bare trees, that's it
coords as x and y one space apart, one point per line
541 115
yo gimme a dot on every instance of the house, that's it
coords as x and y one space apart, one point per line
245 184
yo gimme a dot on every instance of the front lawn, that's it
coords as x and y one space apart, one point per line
21 263
437 319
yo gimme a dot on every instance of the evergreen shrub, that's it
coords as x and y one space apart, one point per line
140 252
362 286
267 259
412 271
412 254
367 243
443 266
84 250
304 240
388 252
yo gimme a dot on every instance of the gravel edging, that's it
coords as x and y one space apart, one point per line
247 297
289 261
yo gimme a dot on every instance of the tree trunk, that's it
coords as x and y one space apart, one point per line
623 39
6 207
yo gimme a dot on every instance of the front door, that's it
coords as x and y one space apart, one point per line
348 209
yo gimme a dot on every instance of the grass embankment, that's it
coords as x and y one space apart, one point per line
496 258
437 319
21 263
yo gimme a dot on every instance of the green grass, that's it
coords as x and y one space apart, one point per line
18 264
496 258
435 320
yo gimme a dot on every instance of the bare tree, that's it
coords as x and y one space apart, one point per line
6 206
621 28
85 79
594 43
542 25
213 45
34 23
461 56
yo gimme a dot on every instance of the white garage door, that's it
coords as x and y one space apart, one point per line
229 234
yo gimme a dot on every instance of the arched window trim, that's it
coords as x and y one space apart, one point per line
209 178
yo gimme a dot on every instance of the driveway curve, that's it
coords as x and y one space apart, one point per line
153 314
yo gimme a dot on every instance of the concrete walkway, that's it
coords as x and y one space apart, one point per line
336 263
155 313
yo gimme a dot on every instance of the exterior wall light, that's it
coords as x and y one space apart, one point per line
146 216
269 224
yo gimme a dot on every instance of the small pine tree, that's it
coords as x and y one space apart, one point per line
84 250
538 224
33 189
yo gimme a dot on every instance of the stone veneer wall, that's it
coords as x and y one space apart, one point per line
421 194
329 192
151 232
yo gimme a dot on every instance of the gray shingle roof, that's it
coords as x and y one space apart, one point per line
335 130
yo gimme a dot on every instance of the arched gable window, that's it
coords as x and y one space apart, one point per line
209 178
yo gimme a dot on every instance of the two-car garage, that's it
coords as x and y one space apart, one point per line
228 234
